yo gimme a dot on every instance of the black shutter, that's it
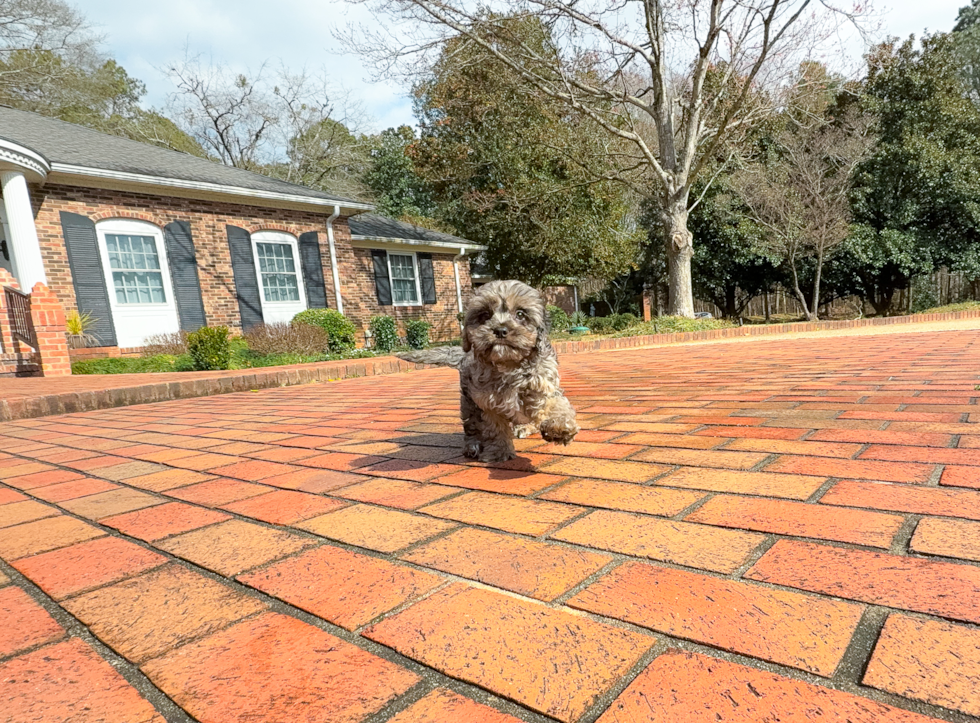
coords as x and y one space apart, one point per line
183 273
427 276
88 278
309 255
382 284
246 281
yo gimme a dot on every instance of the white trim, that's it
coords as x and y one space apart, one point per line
334 271
415 270
153 318
85 172
273 309
26 160
459 288
373 241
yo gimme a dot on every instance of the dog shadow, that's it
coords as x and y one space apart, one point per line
497 470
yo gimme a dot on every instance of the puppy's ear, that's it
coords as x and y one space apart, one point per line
465 339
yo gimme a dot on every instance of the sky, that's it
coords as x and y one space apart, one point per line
243 34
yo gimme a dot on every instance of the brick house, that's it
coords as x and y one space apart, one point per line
149 240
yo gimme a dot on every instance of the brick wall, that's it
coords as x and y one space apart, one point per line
361 300
208 220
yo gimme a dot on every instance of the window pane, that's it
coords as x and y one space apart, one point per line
278 270
403 287
135 265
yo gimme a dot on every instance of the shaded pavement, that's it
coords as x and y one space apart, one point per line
783 530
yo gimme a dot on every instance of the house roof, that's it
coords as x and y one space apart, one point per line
81 156
371 227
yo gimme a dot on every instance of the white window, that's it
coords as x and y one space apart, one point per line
278 267
137 277
135 266
403 270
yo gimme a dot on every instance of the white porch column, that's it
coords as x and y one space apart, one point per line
24 246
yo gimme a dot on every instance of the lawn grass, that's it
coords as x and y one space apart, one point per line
949 308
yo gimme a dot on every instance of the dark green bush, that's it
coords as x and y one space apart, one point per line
209 348
417 333
622 322
601 324
558 318
339 328
385 334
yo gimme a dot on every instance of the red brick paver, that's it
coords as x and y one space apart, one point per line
782 530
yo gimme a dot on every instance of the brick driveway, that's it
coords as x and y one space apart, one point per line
767 531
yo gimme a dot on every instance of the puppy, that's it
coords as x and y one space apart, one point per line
508 373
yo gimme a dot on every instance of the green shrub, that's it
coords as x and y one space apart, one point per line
385 334
417 333
209 348
601 324
577 319
558 318
339 328
622 322
129 365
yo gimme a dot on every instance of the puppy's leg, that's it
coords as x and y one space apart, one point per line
556 420
473 425
498 439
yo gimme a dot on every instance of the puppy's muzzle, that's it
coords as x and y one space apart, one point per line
501 332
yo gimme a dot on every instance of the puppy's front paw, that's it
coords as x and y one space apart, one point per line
472 449
560 431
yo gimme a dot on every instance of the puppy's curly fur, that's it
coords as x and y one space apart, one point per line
508 372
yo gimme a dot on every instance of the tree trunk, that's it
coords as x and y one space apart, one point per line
680 251
730 306
800 296
768 307
815 299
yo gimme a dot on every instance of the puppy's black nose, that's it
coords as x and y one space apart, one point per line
500 331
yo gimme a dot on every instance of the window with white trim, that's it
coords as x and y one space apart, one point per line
134 262
277 267
403 271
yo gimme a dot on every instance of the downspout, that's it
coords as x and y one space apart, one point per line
459 289
333 259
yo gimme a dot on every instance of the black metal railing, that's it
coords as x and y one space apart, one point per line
19 313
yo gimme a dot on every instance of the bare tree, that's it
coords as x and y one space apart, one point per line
42 41
800 196
288 125
670 78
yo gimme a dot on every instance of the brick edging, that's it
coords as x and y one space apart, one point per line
197 386
245 380
629 342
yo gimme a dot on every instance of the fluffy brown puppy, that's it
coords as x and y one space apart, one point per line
508 372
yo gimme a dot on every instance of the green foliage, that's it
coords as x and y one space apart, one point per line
950 308
675 324
340 330
417 333
506 166
398 189
610 324
917 201
385 333
558 318
209 348
577 319
132 365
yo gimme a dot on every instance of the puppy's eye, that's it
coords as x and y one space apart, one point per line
482 318
521 314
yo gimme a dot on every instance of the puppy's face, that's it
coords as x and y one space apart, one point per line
504 321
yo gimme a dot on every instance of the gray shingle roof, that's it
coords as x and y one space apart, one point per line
69 144
372 226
